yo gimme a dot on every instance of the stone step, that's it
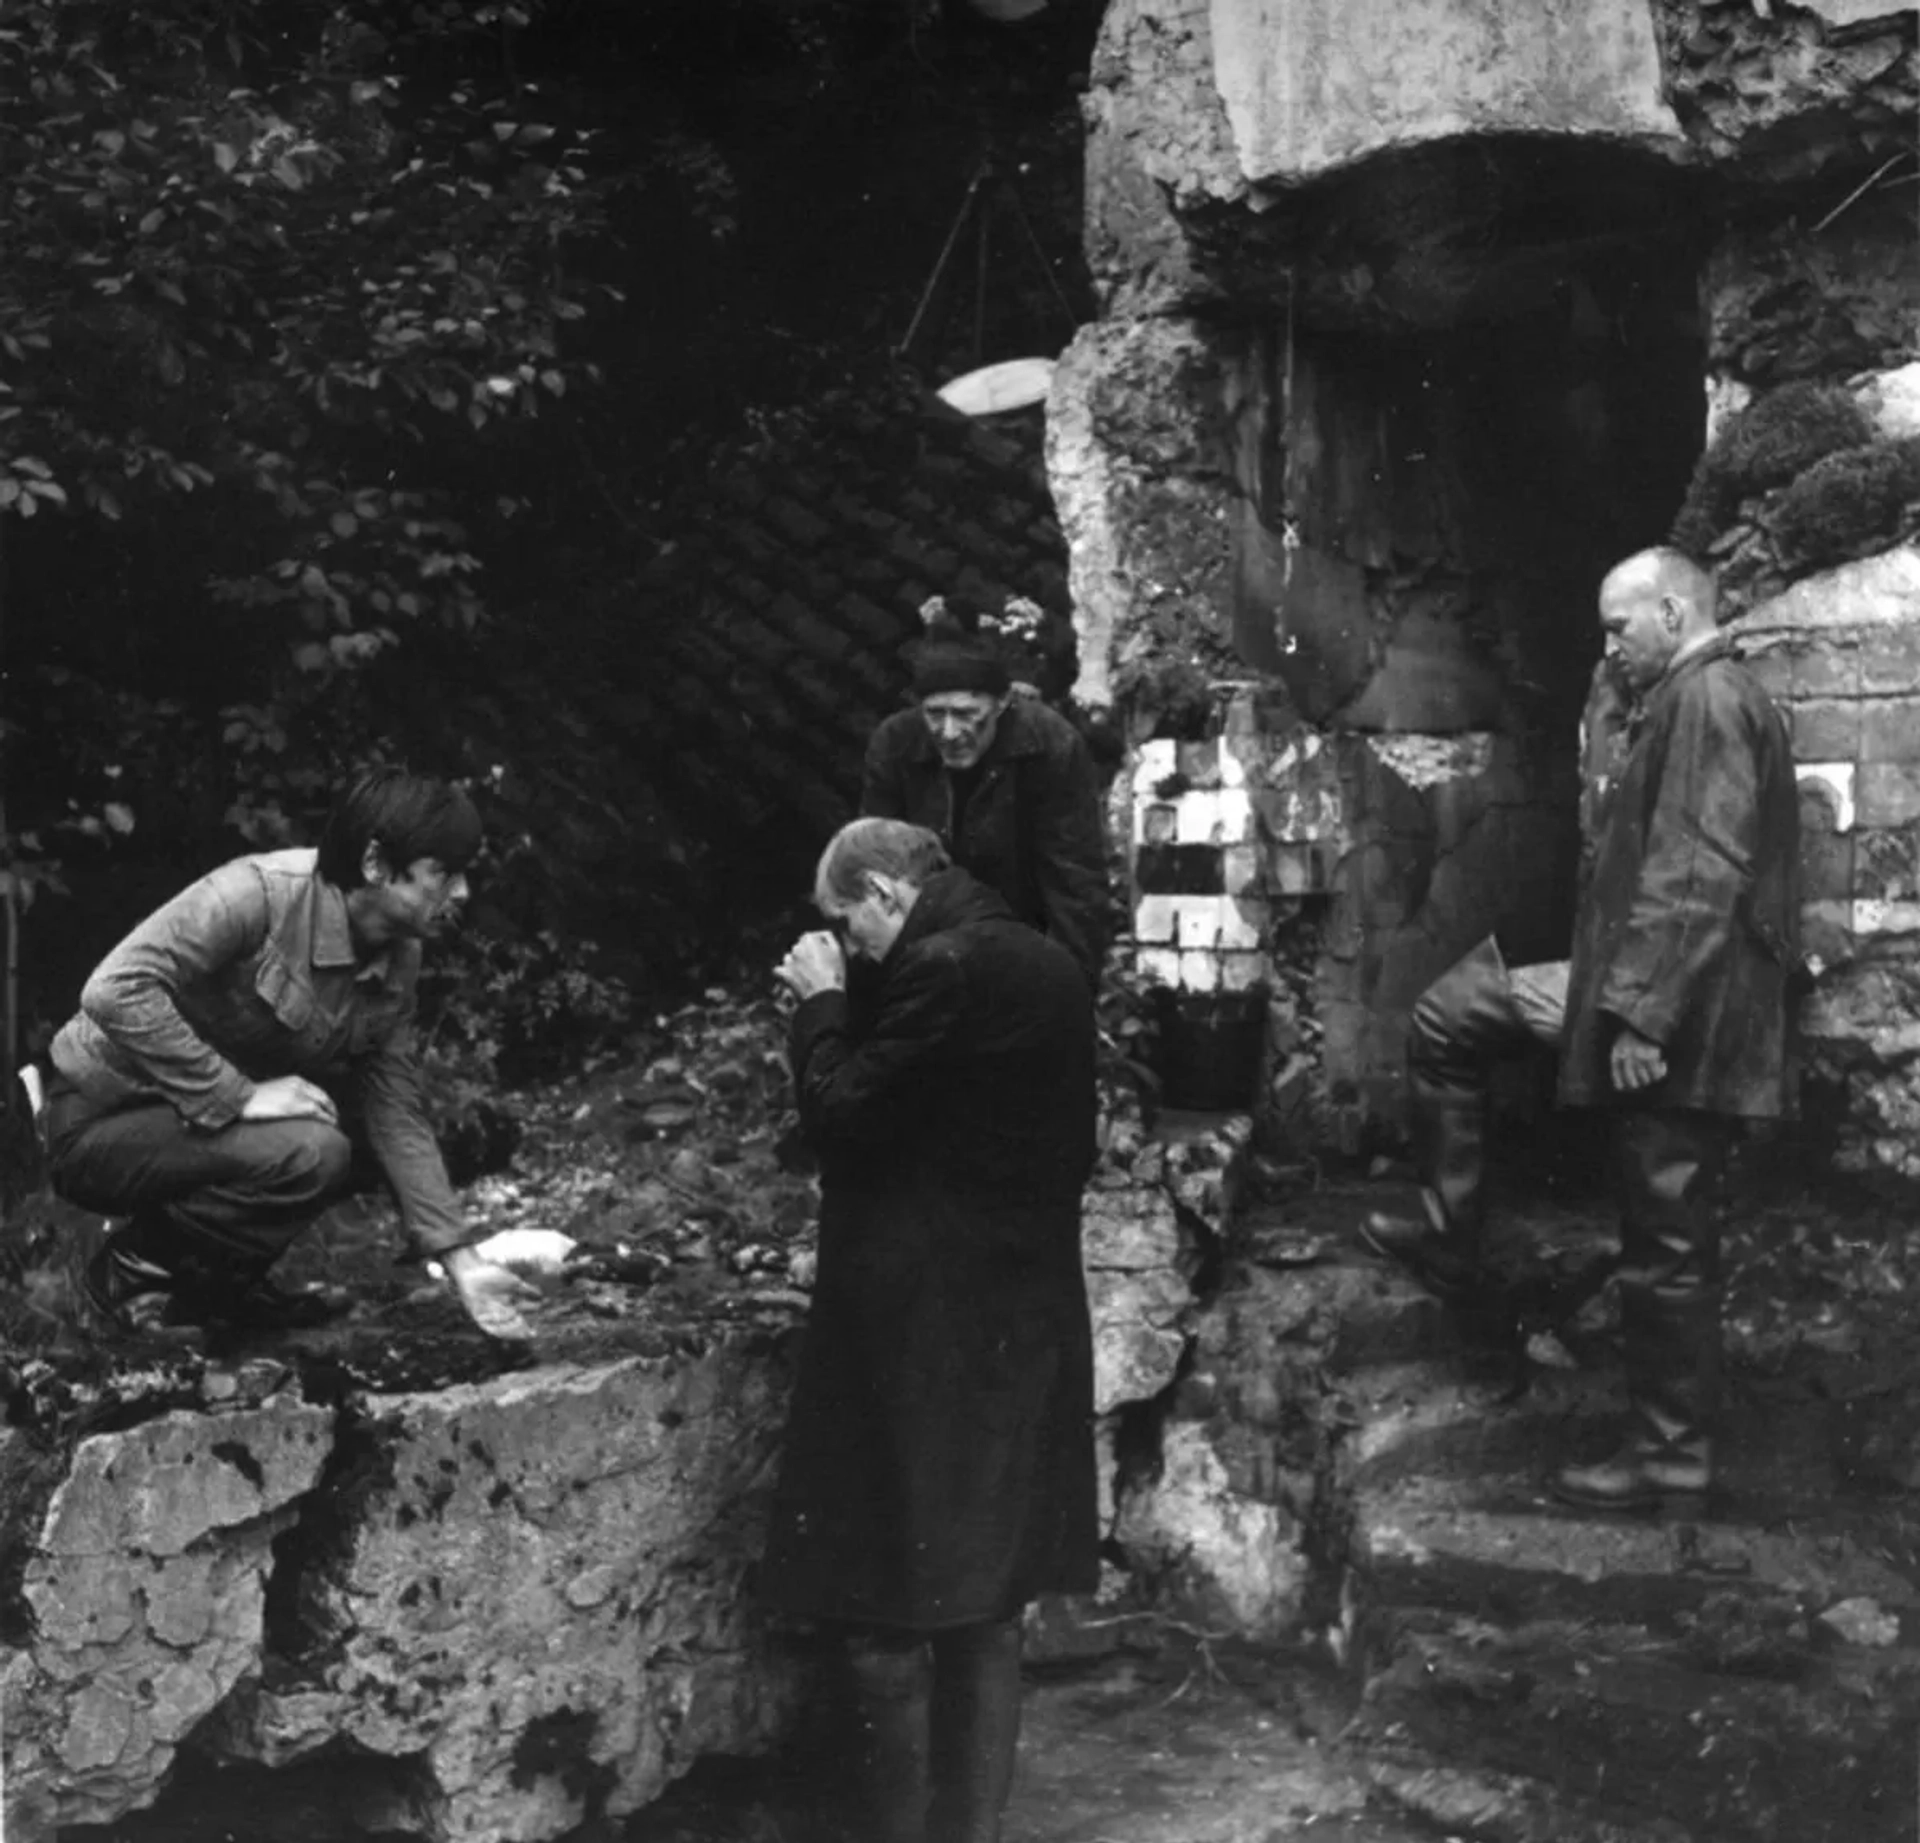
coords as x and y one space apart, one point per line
1752 1673
1647 1738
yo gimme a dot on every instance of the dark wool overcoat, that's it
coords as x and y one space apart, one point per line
1689 925
939 1467
1032 829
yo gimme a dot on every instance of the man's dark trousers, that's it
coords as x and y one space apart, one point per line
220 1206
1670 1164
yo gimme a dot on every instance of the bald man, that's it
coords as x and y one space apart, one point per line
1676 1010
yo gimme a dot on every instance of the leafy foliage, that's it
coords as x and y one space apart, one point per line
263 255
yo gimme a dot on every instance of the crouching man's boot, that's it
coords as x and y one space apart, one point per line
1464 1023
1646 1472
133 1291
1442 1252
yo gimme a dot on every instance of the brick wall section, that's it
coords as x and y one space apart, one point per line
794 578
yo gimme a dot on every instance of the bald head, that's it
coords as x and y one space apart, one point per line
1651 606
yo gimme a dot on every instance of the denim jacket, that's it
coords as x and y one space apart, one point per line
250 975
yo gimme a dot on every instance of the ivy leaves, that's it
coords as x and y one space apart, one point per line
243 229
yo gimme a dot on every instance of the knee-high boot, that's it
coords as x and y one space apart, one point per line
889 1695
1670 1164
1464 1022
976 1729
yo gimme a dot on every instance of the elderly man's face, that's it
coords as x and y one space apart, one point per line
1642 627
869 925
963 724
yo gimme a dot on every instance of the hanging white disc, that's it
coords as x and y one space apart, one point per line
1013 384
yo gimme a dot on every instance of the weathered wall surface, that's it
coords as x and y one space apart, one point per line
1313 85
538 1592
530 1596
528 1593
1136 455
146 1588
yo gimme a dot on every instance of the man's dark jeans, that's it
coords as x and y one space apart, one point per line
225 1204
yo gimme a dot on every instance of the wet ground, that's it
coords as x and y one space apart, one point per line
1183 1747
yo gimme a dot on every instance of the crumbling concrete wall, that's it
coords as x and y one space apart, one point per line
145 1589
529 1594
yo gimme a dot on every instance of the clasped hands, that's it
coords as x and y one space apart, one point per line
816 962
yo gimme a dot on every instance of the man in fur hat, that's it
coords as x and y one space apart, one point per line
1006 783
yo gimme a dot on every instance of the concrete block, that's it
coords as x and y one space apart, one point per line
1888 793
1871 918
1159 965
1179 870
1219 816
1200 971
1154 762
1243 925
1889 729
1884 865
1199 763
1887 657
1825 729
1827 665
1201 919
1240 869
1158 824
1156 920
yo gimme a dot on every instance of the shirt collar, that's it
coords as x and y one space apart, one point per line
333 937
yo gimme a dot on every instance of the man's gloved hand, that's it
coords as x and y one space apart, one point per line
492 1294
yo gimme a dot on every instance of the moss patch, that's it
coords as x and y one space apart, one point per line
1768 444
1847 504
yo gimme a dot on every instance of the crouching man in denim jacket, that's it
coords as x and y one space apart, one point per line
241 1057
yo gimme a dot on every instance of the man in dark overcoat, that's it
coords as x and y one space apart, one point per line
938 1472
1684 957
1009 786
1672 1014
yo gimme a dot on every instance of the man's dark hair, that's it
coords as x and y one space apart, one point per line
886 847
408 816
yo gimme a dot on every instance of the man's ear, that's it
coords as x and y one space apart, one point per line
1671 613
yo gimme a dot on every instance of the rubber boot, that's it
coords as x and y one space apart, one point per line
1450 1153
890 1690
1463 1024
976 1730
1670 1166
132 1287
